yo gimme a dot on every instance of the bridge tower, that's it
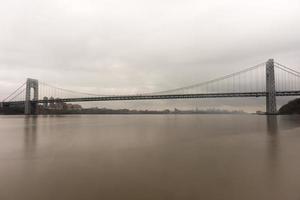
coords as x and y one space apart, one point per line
31 107
270 88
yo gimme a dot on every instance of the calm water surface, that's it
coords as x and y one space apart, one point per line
155 157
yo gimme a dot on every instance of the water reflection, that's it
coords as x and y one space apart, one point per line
288 122
273 143
272 124
273 151
165 157
30 135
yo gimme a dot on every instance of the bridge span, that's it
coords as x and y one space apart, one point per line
244 90
155 97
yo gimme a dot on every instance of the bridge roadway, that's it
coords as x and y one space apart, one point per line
163 96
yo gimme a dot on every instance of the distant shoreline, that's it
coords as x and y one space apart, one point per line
135 114
105 111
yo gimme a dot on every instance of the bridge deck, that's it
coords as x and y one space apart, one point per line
168 96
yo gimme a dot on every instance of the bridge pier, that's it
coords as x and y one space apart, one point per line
31 107
270 88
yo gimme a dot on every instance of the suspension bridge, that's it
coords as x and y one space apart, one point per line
268 79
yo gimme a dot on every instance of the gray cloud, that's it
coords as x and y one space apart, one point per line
138 45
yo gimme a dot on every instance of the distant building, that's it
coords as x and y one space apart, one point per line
45 104
51 104
58 104
260 112
73 106
77 107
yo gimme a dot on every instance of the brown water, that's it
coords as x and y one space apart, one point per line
139 157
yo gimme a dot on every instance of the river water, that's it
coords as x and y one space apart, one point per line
150 157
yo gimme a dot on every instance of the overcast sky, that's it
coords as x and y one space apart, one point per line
125 46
